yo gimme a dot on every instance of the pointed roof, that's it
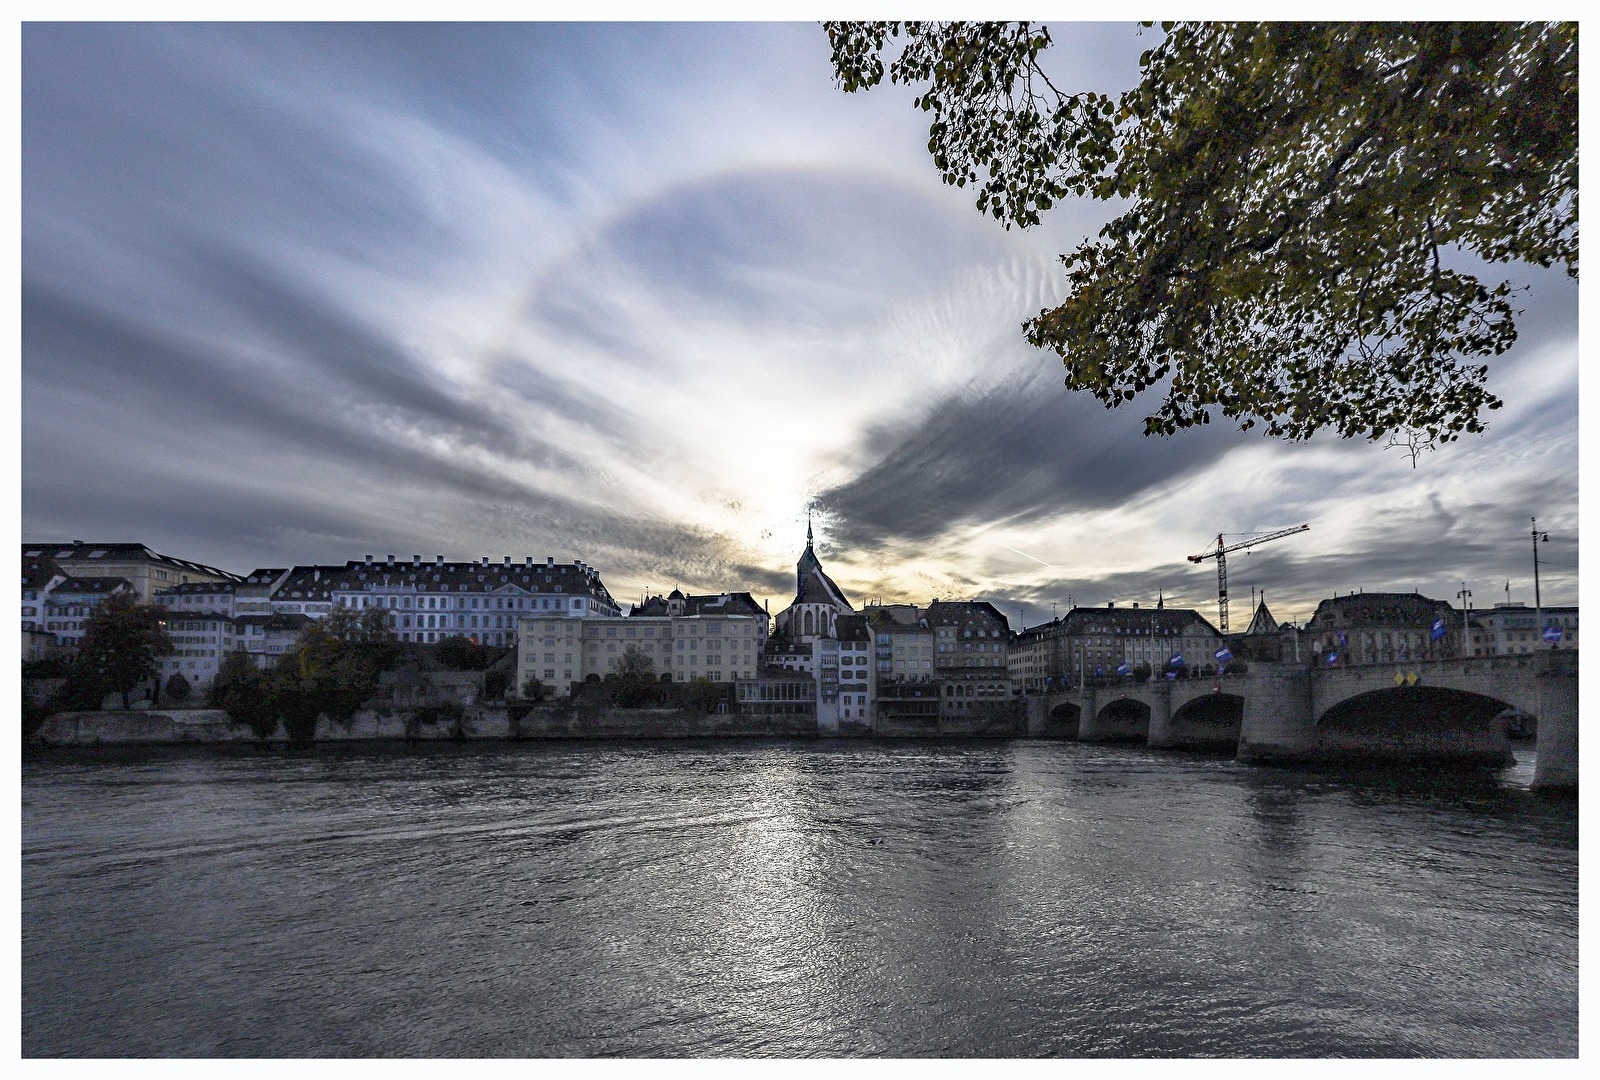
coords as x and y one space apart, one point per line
813 586
1262 622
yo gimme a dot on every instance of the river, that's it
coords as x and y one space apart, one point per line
846 898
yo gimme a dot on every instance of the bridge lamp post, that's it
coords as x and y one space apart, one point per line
1465 596
1538 606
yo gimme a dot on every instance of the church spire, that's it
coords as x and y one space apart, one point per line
808 530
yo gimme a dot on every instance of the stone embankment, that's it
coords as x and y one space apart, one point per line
165 727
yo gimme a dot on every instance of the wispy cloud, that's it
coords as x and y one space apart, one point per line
640 295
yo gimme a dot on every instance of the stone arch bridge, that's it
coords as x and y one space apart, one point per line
1437 709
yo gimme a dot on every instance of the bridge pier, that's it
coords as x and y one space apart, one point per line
1161 734
1279 722
1091 728
1556 767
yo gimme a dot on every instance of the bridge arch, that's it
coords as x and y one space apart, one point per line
1124 719
1209 720
1417 722
1064 719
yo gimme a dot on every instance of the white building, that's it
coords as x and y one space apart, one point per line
148 572
39 577
560 650
68 605
846 663
481 601
1507 629
902 643
304 591
200 639
208 596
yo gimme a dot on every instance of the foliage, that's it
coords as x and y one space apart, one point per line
332 670
1236 667
703 695
178 688
1300 199
459 653
441 712
297 703
494 685
1141 672
635 686
35 713
245 693
534 690
121 643
47 667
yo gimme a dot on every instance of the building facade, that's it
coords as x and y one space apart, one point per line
1508 629
148 572
1091 643
560 650
971 643
481 601
68 605
1376 628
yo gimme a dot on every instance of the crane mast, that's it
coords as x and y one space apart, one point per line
1221 555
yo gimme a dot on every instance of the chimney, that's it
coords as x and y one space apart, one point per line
528 561
1136 605
438 560
416 560
485 560
1111 603
369 560
508 560
78 542
549 561
391 560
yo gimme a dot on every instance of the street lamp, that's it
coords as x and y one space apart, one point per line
1538 606
1465 596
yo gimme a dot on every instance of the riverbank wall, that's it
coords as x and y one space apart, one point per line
166 727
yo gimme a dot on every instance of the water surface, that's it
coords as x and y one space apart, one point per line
791 899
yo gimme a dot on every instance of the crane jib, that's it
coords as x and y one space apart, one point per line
1220 554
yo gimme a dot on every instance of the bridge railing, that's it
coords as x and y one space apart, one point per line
1563 661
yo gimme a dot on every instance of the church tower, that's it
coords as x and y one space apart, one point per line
817 603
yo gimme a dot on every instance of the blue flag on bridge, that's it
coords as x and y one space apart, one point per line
1437 629
1223 655
1552 634
1099 671
1177 659
1124 668
1172 674
1333 658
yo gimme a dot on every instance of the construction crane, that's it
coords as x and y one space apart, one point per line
1221 555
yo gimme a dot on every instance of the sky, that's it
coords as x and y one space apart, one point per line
646 295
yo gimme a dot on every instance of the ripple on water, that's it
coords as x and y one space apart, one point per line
748 899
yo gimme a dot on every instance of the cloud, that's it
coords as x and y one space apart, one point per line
1019 451
636 294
